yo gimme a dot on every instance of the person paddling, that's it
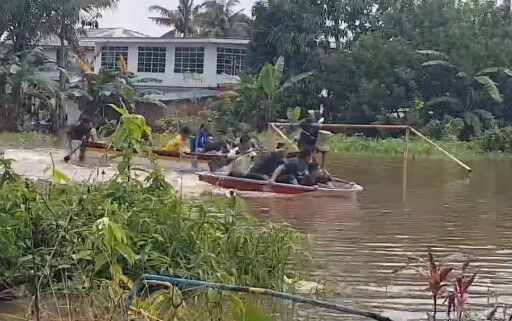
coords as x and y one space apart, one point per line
179 142
242 157
294 169
77 134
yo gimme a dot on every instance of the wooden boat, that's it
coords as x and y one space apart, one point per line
342 188
99 153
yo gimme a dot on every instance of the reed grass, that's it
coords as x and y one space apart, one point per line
417 147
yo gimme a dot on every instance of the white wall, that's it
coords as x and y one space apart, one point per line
209 78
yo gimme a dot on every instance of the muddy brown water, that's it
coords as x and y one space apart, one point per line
357 243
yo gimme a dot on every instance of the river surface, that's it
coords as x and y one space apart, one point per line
356 244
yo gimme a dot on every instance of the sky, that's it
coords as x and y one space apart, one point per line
133 15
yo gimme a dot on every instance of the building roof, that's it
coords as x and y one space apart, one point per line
87 37
234 41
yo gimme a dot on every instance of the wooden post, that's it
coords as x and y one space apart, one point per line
417 133
404 173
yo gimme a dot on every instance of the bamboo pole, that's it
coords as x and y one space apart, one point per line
417 133
334 127
282 135
404 173
178 282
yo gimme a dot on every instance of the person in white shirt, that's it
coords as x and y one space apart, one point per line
242 157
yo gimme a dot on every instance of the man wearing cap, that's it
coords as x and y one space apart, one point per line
77 134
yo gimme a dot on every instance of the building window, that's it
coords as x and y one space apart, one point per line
110 57
230 61
152 59
189 59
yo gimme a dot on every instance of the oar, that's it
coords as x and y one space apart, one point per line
223 161
68 157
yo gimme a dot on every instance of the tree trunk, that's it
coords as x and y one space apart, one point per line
506 8
58 114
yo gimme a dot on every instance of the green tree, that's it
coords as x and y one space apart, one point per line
291 29
471 97
181 19
259 96
218 19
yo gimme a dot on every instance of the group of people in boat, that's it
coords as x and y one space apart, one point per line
244 161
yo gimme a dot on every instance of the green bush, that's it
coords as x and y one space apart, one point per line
126 227
497 140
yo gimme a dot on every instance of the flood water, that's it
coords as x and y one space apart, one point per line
356 244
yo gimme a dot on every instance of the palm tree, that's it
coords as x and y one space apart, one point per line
181 19
469 94
221 20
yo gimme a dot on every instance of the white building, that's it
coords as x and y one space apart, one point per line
176 62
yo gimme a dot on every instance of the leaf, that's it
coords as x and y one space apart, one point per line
238 304
295 79
80 93
443 274
490 87
267 80
15 69
128 93
101 260
254 313
126 252
57 176
43 85
432 53
438 63
122 111
279 70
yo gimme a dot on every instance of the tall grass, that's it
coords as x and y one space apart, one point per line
396 146
88 241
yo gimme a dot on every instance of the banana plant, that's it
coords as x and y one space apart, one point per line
23 89
258 95
474 89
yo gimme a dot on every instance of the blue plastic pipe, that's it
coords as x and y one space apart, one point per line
139 286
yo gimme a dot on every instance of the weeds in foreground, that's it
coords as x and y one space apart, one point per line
82 244
454 271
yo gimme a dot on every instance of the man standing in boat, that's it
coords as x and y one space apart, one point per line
309 130
78 134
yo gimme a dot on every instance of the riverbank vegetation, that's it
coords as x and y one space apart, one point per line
85 243
430 64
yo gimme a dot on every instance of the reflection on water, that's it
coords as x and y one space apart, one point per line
358 244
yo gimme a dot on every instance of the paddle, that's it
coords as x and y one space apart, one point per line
67 158
221 162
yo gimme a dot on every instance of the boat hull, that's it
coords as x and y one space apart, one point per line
99 154
250 185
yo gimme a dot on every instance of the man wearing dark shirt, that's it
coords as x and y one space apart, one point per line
78 133
293 169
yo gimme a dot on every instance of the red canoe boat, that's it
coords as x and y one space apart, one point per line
339 187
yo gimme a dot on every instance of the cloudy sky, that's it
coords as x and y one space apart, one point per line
133 14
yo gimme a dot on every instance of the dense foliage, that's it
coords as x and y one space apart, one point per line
81 237
425 63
